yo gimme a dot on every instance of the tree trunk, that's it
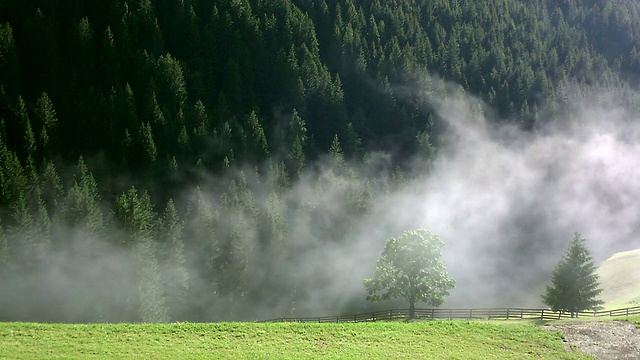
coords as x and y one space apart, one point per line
412 309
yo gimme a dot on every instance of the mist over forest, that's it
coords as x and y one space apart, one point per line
223 160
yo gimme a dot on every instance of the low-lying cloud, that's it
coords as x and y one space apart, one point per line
506 202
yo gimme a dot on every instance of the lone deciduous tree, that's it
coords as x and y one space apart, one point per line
411 268
574 282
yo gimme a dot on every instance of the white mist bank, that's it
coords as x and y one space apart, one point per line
507 201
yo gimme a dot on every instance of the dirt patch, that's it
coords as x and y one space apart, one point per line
603 339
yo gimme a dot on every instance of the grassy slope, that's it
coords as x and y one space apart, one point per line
620 279
426 340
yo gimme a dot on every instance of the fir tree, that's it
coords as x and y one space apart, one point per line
136 214
574 282
174 263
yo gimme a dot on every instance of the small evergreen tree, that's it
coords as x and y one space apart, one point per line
336 153
574 283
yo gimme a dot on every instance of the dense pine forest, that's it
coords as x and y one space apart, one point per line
204 160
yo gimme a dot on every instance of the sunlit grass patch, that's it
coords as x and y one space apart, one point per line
383 340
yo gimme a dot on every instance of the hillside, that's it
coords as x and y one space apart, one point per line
208 160
620 278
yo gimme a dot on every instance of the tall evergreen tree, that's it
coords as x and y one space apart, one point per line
574 282
81 208
45 117
4 251
136 214
336 153
13 180
258 141
237 237
174 263
296 140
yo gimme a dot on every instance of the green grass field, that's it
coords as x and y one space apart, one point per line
383 340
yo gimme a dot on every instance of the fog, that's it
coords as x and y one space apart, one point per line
508 201
505 201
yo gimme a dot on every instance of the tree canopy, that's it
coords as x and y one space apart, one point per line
411 268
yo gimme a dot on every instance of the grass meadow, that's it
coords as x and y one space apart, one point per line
380 340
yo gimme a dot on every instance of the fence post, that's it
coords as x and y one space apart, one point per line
390 314
470 314
542 315
627 311
521 314
450 314
433 311
373 316
507 313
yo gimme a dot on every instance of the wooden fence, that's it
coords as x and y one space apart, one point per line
462 314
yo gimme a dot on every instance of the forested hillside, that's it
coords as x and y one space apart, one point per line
176 159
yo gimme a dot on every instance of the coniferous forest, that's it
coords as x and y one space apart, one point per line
200 160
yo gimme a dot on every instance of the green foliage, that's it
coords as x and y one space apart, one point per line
13 181
81 205
236 238
337 64
336 153
4 249
411 268
574 283
45 117
137 216
297 138
258 141
174 263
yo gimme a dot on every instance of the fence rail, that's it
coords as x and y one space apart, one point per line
462 314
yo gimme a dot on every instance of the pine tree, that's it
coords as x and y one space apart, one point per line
9 67
149 148
81 206
574 283
51 187
237 235
257 146
30 236
136 214
4 250
200 238
45 117
297 138
173 263
13 181
173 88
335 151
30 145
